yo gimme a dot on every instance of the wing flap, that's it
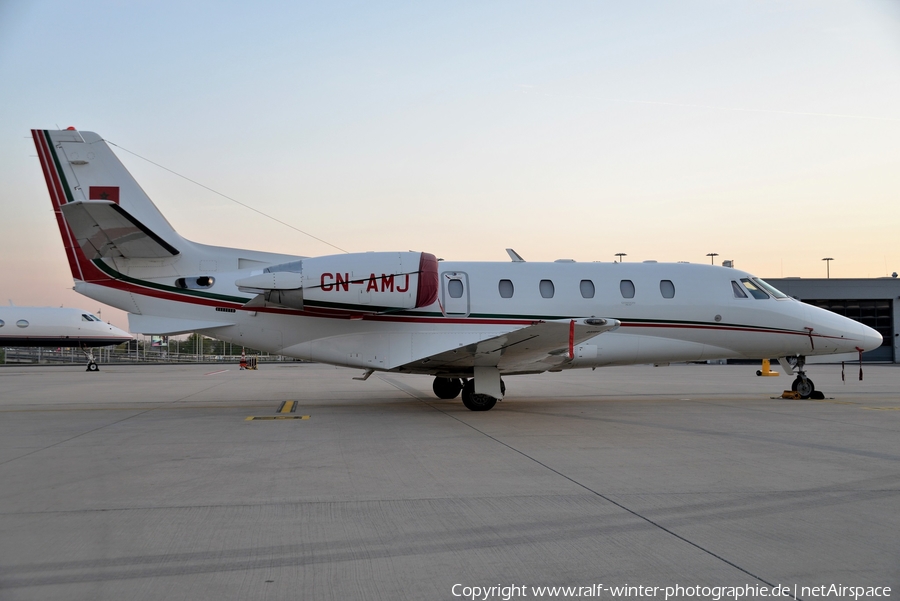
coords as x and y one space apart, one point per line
104 229
532 349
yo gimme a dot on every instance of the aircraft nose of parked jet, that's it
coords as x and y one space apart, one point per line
838 334
856 336
869 339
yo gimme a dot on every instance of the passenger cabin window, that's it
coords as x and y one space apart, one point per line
627 288
667 288
738 291
22 323
455 288
547 289
200 282
755 291
587 289
506 288
2 323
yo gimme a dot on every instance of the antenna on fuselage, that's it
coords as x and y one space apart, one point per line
516 257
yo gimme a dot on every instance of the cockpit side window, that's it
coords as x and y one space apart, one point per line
755 291
738 291
84 317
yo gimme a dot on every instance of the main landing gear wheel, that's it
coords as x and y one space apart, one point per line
804 386
92 366
476 402
446 388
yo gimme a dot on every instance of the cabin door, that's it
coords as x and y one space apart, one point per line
455 293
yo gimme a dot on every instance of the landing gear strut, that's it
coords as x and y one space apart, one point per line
802 384
92 363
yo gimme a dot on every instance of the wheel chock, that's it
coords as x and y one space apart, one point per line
766 371
791 394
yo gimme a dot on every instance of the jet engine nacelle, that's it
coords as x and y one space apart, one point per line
373 281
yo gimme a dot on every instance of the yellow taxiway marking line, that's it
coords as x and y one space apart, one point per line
274 417
288 407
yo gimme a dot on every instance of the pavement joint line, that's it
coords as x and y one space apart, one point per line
55 444
416 395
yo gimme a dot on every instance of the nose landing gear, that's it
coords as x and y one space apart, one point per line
802 385
92 363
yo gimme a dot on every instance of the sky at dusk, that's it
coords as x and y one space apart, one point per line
766 132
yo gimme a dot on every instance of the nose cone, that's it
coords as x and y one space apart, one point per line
839 334
869 338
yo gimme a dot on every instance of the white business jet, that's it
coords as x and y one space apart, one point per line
465 323
57 326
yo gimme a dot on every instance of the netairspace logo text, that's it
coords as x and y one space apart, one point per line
715 593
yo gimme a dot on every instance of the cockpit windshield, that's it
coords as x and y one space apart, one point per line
755 291
758 289
770 288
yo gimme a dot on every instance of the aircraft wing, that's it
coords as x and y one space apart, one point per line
531 349
104 229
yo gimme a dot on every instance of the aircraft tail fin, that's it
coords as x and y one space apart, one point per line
100 209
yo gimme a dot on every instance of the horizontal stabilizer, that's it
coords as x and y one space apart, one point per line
104 229
154 324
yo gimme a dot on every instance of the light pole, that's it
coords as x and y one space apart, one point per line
828 261
620 255
712 258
